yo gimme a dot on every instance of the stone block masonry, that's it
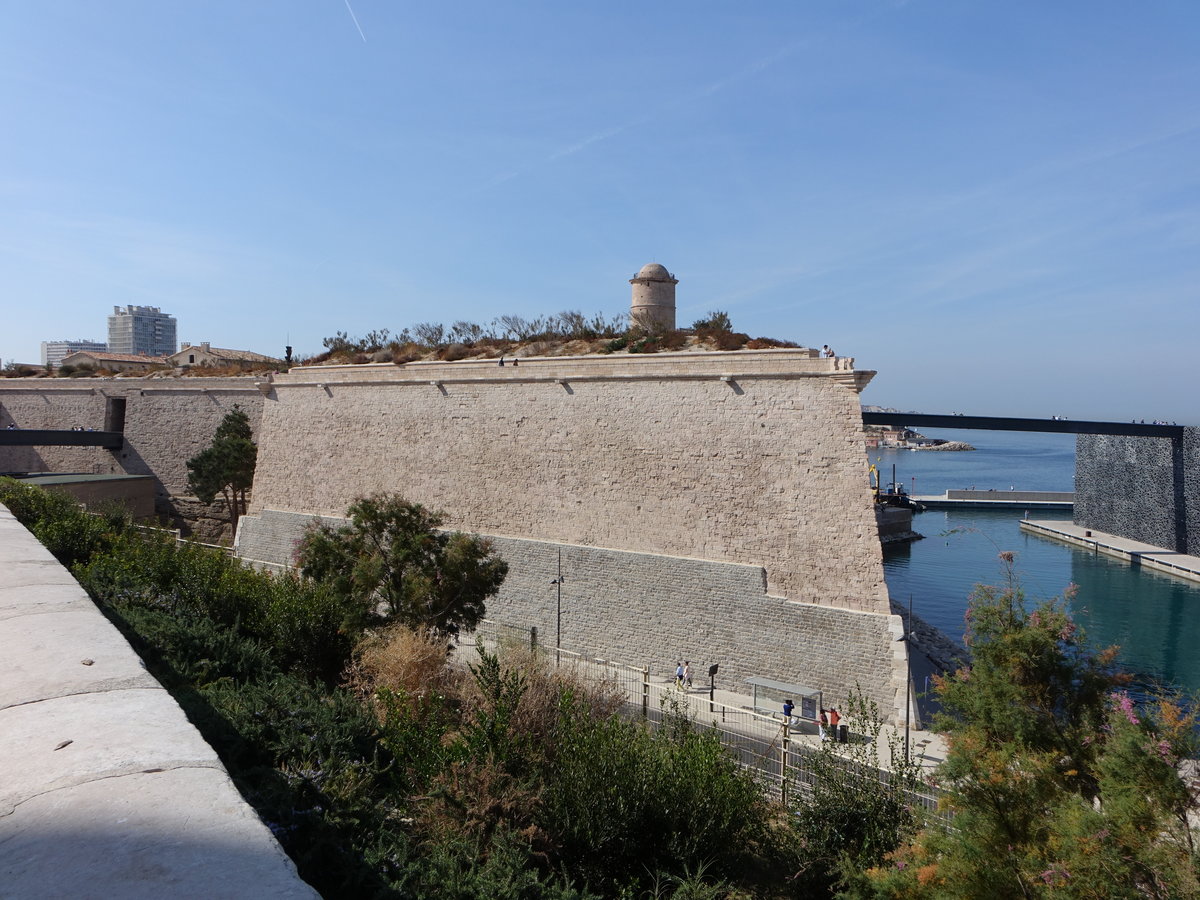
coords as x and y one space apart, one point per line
166 422
716 500
651 610
754 458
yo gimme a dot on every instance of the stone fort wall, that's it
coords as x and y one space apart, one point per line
1141 488
167 421
708 505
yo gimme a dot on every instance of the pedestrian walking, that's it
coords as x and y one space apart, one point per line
679 674
687 674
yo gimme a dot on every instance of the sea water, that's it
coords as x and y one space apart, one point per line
1153 618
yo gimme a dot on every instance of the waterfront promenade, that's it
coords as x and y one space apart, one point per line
777 757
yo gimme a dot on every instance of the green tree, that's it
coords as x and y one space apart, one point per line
1061 784
861 803
393 562
226 467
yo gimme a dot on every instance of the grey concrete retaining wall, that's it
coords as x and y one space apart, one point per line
646 609
108 789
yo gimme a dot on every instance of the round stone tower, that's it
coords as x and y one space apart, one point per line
653 297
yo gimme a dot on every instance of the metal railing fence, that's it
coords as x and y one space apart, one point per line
776 755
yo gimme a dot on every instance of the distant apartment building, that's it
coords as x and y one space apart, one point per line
136 330
54 351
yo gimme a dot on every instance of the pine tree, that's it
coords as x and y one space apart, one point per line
226 467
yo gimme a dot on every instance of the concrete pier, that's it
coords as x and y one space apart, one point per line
969 499
1134 552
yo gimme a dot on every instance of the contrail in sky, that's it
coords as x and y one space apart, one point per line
355 18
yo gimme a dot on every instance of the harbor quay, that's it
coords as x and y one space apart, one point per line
994 499
1136 553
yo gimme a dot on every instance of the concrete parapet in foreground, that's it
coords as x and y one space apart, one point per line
109 791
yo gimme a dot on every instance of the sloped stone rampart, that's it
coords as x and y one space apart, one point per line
713 506
755 458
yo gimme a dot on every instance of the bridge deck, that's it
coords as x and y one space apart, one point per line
47 437
1009 423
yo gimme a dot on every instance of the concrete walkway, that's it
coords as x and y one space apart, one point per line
108 790
735 711
1134 552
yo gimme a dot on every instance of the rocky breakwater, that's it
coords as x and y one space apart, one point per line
944 653
947 445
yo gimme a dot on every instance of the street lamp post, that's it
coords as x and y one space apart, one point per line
908 674
558 583
907 638
712 688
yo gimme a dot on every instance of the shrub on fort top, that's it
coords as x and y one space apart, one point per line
764 343
392 563
714 321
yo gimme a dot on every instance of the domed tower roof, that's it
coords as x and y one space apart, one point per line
654 272
653 300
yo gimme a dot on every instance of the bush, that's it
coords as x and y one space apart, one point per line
392 563
71 534
305 626
624 802
714 321
765 343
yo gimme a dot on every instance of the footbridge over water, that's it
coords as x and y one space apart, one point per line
1134 480
1010 423
55 437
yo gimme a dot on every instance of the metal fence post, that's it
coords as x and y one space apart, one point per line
533 639
783 767
645 692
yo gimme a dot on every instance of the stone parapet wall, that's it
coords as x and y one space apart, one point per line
1141 488
167 421
108 789
650 610
748 457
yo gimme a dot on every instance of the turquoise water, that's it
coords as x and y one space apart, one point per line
1155 619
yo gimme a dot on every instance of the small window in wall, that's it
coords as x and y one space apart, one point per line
114 414
191 357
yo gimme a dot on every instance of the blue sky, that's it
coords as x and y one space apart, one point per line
995 205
